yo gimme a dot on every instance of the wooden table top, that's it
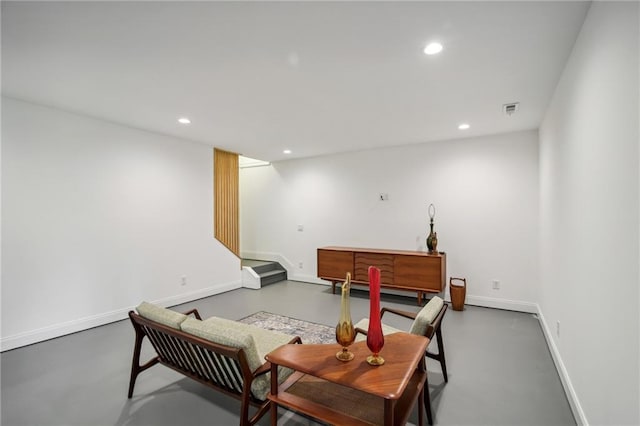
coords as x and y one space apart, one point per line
402 353
381 251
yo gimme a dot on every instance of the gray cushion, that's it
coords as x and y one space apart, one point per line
160 315
265 340
426 316
256 343
364 324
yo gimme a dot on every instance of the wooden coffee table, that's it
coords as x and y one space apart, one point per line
352 392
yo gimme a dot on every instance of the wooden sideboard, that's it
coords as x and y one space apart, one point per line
399 269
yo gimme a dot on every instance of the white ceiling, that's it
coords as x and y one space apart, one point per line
313 77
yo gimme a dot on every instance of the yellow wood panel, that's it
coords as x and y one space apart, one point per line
226 199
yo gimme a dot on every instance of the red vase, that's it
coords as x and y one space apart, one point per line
375 338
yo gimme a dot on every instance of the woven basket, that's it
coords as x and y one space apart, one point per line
458 293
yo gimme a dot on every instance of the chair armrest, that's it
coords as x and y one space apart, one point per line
361 331
266 367
263 369
399 312
195 313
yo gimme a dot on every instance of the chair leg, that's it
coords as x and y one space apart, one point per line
244 406
443 363
440 355
136 368
135 363
427 401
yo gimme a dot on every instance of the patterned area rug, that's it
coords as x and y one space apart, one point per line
309 332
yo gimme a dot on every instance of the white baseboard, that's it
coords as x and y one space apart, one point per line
534 308
308 279
487 302
197 294
572 397
491 302
80 324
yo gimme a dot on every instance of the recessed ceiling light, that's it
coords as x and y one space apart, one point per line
463 126
184 120
286 151
433 48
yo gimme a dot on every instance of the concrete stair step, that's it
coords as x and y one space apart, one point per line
269 272
272 277
272 266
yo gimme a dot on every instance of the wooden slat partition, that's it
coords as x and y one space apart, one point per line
226 209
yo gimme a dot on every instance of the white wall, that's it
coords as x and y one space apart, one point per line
589 195
97 217
485 191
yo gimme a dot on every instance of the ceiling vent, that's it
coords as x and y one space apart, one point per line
510 109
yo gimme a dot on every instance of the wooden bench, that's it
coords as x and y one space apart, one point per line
237 368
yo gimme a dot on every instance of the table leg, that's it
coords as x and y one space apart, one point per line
427 401
274 391
388 412
419 298
420 410
333 287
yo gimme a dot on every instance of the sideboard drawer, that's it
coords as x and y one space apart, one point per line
335 264
384 262
420 272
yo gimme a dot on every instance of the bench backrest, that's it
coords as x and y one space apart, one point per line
223 367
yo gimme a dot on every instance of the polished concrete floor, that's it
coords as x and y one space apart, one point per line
500 369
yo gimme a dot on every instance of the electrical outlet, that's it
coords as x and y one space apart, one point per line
558 329
300 265
300 228
183 280
384 196
496 285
